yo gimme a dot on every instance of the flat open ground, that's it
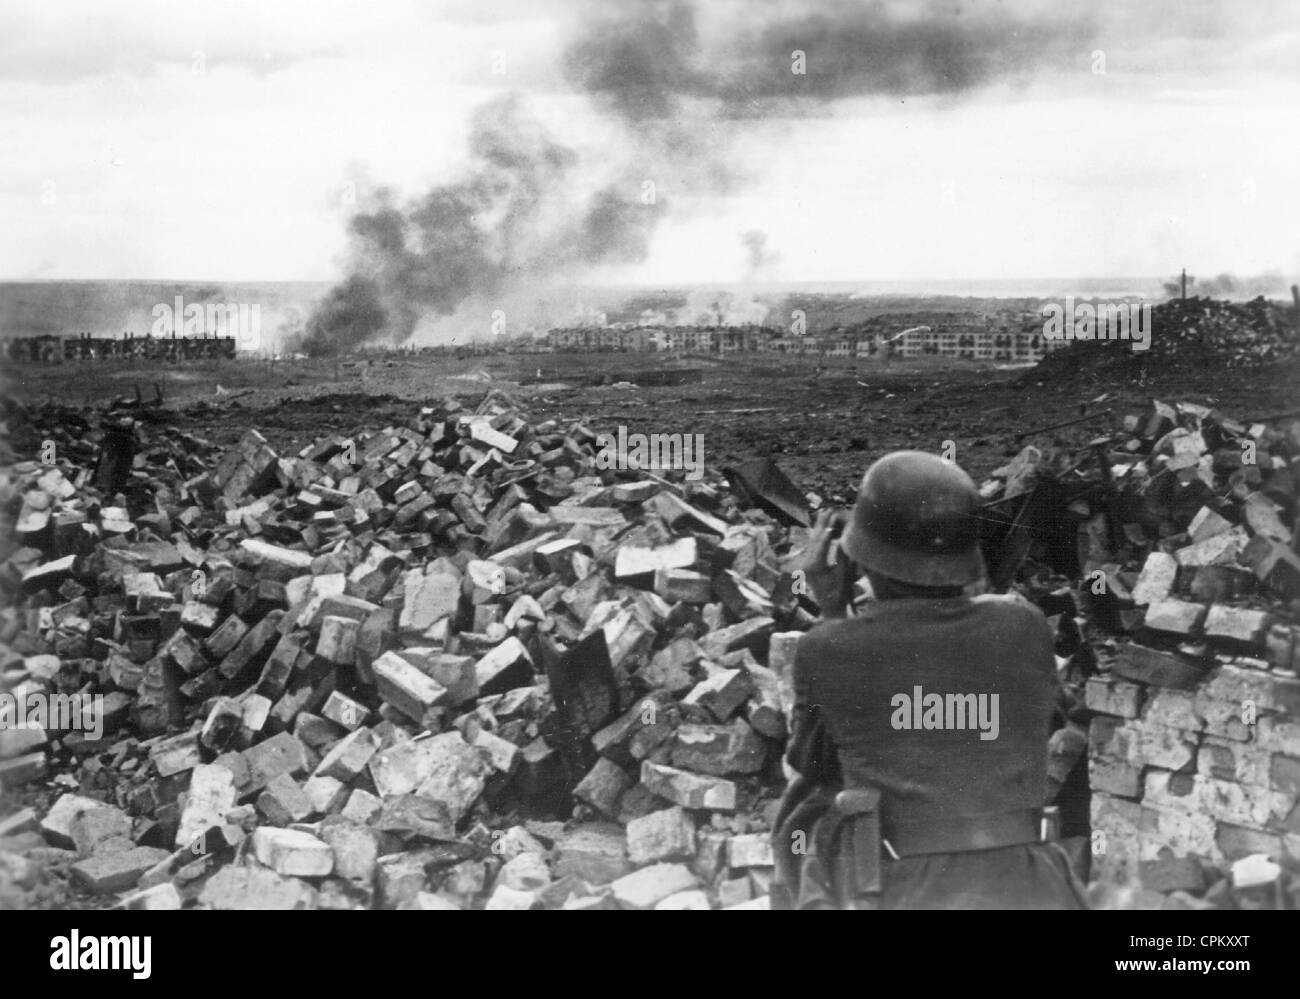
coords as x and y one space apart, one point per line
823 426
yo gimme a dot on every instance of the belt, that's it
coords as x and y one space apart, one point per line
971 833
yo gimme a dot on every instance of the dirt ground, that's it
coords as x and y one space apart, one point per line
822 425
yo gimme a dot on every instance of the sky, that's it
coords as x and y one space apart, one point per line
232 141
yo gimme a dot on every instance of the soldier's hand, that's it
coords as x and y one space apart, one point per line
829 583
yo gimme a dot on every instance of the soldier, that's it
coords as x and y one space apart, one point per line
921 723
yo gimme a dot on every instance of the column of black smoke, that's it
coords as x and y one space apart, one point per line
683 77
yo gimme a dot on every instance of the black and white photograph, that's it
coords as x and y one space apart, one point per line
779 455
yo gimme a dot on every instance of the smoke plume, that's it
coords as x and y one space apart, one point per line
522 210
680 80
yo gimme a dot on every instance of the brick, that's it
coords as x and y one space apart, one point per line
765 709
1220 549
1156 581
501 755
663 835
405 687
687 789
444 767
734 891
603 786
349 756
670 668
1224 759
1115 777
253 648
719 750
750 850
326 794
1230 687
1237 626
283 753
511 842
683 585
338 640
1236 841
117 871
210 796
176 754
1242 804
722 692
1284 774
94 826
430 596
1280 647
642 889
1275 564
1168 873
1142 745
1175 617
1278 735
1151 666
222 641
235 888
275 555
284 802
507 666
56 827
361 807
594 852
344 711
1182 832
292 853
1261 514
752 634
631 560
1173 709
525 872
355 849
1113 697
1206 524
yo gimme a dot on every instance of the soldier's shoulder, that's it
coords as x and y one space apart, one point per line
1007 603
1014 610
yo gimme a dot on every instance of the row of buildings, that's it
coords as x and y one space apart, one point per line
971 341
50 349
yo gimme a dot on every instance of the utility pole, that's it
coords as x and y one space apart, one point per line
1184 282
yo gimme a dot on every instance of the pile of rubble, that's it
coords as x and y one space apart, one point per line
381 672
1178 622
1191 333
452 664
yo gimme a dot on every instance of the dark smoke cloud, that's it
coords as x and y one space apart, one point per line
681 78
525 209
644 59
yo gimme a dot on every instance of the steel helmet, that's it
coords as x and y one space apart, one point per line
916 521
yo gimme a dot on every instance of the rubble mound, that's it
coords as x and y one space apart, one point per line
453 663
472 661
1188 333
